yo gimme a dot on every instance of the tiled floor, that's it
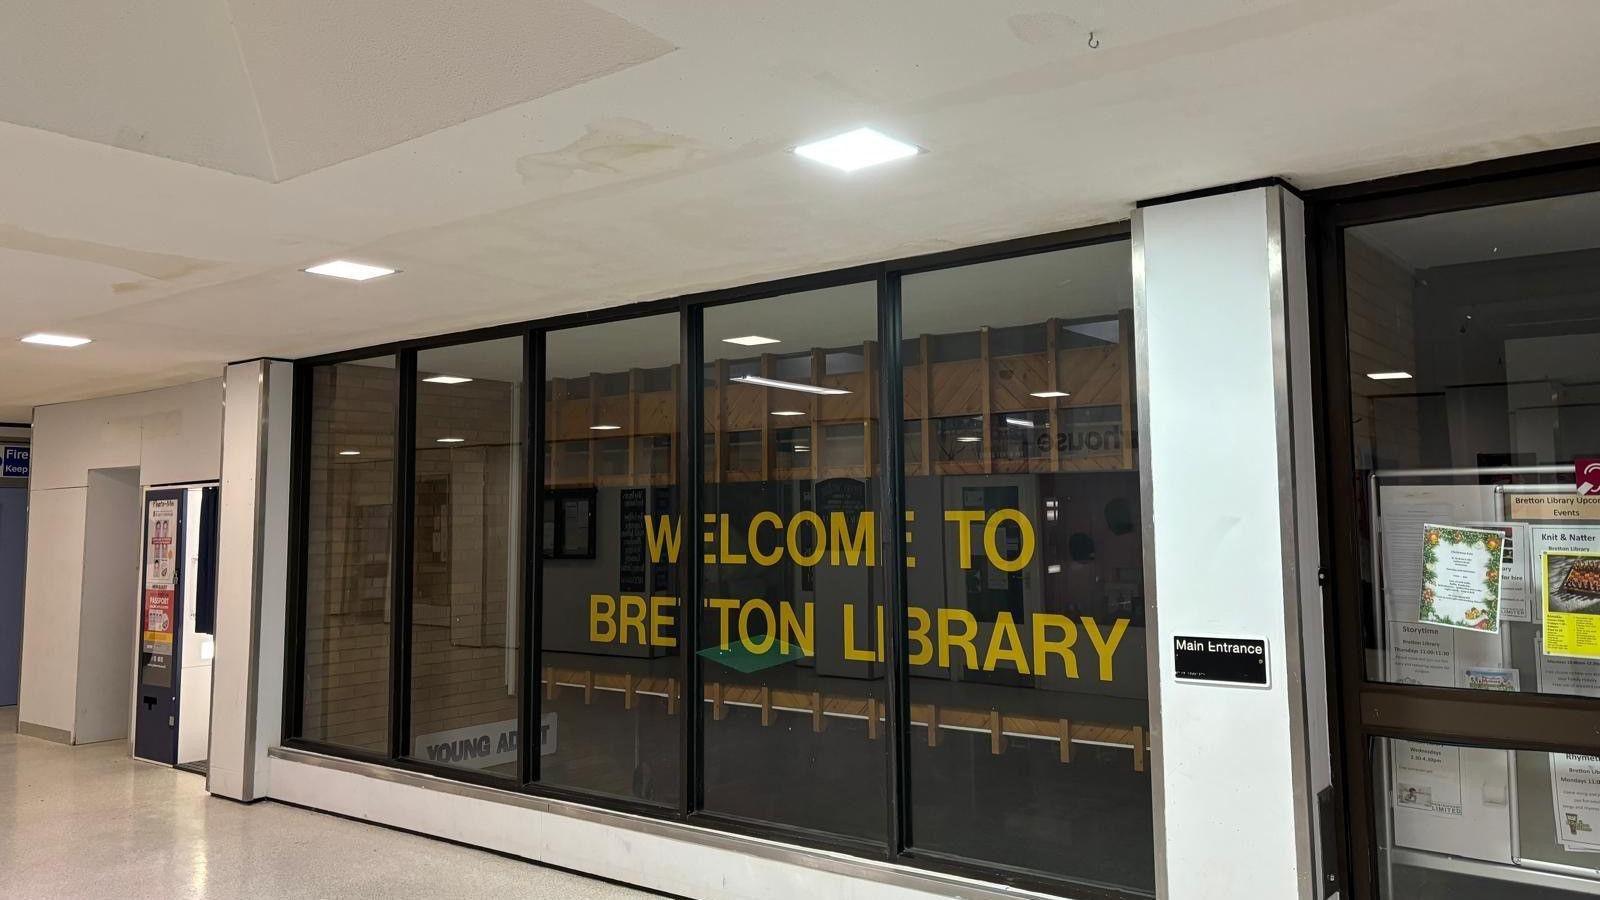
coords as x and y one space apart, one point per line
90 822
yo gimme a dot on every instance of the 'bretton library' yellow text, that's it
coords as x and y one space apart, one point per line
940 635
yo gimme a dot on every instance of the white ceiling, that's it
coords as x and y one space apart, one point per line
171 166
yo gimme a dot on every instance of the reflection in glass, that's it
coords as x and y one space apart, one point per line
1471 823
349 531
791 629
1024 575
611 542
1474 345
466 581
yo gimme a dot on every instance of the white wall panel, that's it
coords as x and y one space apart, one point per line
172 435
51 607
1232 762
109 613
167 436
253 533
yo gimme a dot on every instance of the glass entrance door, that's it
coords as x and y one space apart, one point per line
1462 354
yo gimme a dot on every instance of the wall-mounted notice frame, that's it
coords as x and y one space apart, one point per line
1455 802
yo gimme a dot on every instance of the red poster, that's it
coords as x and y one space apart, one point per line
158 620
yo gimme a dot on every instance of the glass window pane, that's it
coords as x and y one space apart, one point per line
1025 579
466 567
1475 392
349 532
790 628
1469 823
611 539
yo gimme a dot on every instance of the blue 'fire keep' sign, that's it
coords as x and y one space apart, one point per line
15 463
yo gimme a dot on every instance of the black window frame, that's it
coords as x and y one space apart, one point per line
886 276
1361 709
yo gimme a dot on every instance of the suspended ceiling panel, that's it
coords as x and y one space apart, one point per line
163 78
277 88
337 80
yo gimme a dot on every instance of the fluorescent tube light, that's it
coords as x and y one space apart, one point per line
759 381
1389 376
349 452
969 439
55 340
447 379
751 340
856 150
1020 423
604 427
787 412
1049 395
350 271
450 440
799 448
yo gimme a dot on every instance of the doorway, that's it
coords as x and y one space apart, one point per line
172 709
1461 367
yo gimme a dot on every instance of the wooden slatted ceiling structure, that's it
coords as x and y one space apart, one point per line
986 388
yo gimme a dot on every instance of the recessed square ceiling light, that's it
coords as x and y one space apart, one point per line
787 412
349 452
604 427
451 440
1049 395
1388 376
751 340
350 271
55 340
856 149
447 379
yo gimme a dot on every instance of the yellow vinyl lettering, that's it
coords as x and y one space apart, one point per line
807 517
964 519
761 557
947 638
789 626
663 534
850 650
991 546
724 608
602 618
728 556
917 633
1043 646
763 643
1005 644
840 538
661 617
1106 647
631 618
